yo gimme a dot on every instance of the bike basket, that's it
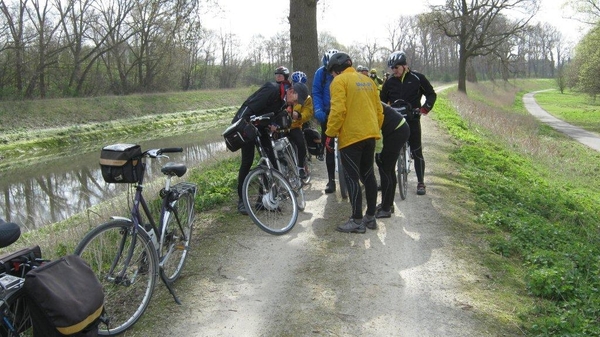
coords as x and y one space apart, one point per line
239 134
121 163
65 298
282 120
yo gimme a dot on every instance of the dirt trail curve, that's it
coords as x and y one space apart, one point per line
402 279
584 137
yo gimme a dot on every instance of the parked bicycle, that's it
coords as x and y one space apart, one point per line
127 254
273 195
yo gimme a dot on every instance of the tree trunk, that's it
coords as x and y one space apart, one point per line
303 37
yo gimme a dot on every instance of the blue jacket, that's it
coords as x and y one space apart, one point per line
320 94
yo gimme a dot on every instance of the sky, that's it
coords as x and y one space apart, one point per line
347 23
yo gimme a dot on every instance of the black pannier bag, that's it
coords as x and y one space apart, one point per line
65 298
121 163
239 134
313 141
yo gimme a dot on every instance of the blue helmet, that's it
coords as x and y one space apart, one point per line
327 55
299 77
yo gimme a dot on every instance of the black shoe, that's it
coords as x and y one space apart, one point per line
330 187
302 173
242 207
380 207
421 189
369 222
320 157
352 226
380 213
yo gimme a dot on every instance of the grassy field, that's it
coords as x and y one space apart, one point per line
572 107
530 194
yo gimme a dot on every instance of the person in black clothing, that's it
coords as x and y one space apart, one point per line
410 86
270 97
395 132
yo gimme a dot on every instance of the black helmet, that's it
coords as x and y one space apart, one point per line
283 71
338 62
397 58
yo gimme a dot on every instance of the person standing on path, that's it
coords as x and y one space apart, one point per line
321 106
355 118
395 132
410 86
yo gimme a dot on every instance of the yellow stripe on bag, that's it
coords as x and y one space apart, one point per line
69 330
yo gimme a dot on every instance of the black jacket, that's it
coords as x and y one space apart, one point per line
268 98
391 120
411 88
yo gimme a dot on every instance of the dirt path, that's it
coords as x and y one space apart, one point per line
400 280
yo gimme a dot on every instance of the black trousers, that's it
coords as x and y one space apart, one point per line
392 145
358 161
329 156
248 151
416 149
296 136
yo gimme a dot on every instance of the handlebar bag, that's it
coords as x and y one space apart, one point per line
239 134
65 298
121 163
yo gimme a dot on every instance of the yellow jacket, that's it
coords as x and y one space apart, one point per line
356 112
305 110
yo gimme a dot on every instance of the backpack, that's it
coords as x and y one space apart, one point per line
65 298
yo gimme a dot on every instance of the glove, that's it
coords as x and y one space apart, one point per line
329 144
424 111
320 116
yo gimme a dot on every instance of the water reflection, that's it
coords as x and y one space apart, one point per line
53 191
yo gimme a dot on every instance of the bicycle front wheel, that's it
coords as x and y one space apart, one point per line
402 173
126 264
176 236
270 201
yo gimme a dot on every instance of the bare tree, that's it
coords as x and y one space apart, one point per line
15 19
479 26
586 11
304 37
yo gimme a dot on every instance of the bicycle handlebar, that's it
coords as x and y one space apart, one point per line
255 118
156 153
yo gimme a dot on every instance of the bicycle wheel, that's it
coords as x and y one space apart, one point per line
176 236
289 168
15 315
127 285
402 173
270 201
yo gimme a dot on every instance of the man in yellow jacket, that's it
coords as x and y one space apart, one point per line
355 118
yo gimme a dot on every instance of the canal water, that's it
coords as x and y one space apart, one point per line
52 191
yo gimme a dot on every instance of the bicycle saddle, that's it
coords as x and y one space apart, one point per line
174 169
9 233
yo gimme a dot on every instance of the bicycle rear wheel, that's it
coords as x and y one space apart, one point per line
175 240
127 283
402 173
270 200
341 174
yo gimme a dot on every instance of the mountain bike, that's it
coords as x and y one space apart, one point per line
127 254
270 196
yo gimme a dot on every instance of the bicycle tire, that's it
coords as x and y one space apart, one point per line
15 315
126 298
175 240
289 168
402 173
270 200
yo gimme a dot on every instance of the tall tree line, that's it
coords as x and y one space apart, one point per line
76 48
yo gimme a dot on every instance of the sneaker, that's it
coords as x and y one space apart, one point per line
380 213
330 187
320 157
421 189
351 226
302 173
242 208
380 207
369 222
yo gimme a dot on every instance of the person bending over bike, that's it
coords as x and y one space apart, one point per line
395 132
270 97
302 111
410 86
355 118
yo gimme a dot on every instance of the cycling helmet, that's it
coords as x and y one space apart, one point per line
362 68
397 58
373 71
338 62
283 71
299 77
327 55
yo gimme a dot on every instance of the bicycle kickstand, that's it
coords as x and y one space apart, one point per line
171 290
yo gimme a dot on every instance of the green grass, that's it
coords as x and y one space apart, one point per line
538 209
